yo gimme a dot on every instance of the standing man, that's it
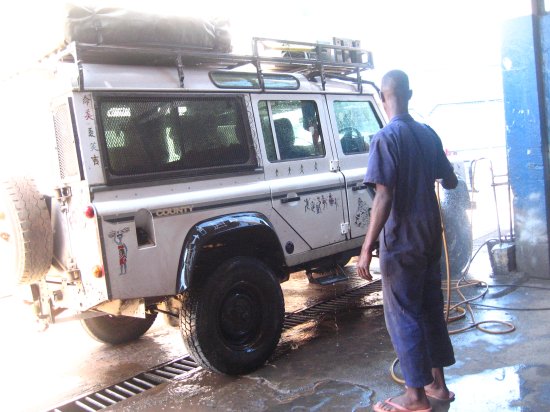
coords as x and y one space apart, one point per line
406 158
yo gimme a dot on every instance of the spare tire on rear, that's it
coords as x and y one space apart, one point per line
458 230
26 237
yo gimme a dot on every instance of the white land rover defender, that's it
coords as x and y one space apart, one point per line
194 181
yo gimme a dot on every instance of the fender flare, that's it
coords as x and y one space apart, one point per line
202 232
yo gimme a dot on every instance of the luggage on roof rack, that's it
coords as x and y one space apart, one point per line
124 27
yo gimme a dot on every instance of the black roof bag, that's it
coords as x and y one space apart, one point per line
124 27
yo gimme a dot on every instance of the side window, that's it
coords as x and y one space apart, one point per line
291 129
148 135
357 123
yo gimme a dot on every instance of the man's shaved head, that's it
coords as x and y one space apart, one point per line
395 93
396 82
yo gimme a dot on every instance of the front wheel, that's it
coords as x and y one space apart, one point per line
117 329
232 321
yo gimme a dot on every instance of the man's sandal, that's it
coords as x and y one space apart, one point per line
379 407
450 398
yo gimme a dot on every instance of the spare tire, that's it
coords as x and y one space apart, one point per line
117 329
458 230
26 237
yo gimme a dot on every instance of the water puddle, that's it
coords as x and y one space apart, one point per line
327 395
490 390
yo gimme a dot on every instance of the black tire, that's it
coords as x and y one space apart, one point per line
117 329
26 236
231 323
458 230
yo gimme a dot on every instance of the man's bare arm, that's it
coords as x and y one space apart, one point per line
380 212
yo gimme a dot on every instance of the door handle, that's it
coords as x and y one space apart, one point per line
290 199
364 186
358 186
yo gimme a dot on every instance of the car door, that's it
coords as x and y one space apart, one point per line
307 190
354 121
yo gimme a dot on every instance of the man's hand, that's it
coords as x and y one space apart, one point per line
451 182
363 264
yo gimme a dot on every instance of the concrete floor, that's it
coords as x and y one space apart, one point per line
342 362
339 363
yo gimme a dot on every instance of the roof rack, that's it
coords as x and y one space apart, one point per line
310 59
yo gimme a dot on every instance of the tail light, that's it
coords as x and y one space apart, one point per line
97 271
89 212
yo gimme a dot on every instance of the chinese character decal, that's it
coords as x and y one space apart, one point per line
86 100
87 114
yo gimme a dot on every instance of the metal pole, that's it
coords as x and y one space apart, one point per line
538 11
494 186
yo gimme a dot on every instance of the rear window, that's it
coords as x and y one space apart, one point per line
148 136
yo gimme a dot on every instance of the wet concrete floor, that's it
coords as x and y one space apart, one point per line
340 363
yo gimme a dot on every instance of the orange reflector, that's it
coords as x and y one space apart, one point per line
89 212
97 271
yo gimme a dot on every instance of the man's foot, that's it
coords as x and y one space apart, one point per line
402 404
439 392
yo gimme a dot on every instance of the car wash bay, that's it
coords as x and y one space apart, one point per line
341 360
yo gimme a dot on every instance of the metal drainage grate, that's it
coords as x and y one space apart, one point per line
340 302
166 372
130 387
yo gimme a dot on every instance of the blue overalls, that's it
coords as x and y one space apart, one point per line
407 157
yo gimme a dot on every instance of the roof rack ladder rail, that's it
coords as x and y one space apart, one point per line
181 75
80 76
73 50
257 62
359 81
320 65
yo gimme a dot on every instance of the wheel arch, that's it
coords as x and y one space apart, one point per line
214 240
